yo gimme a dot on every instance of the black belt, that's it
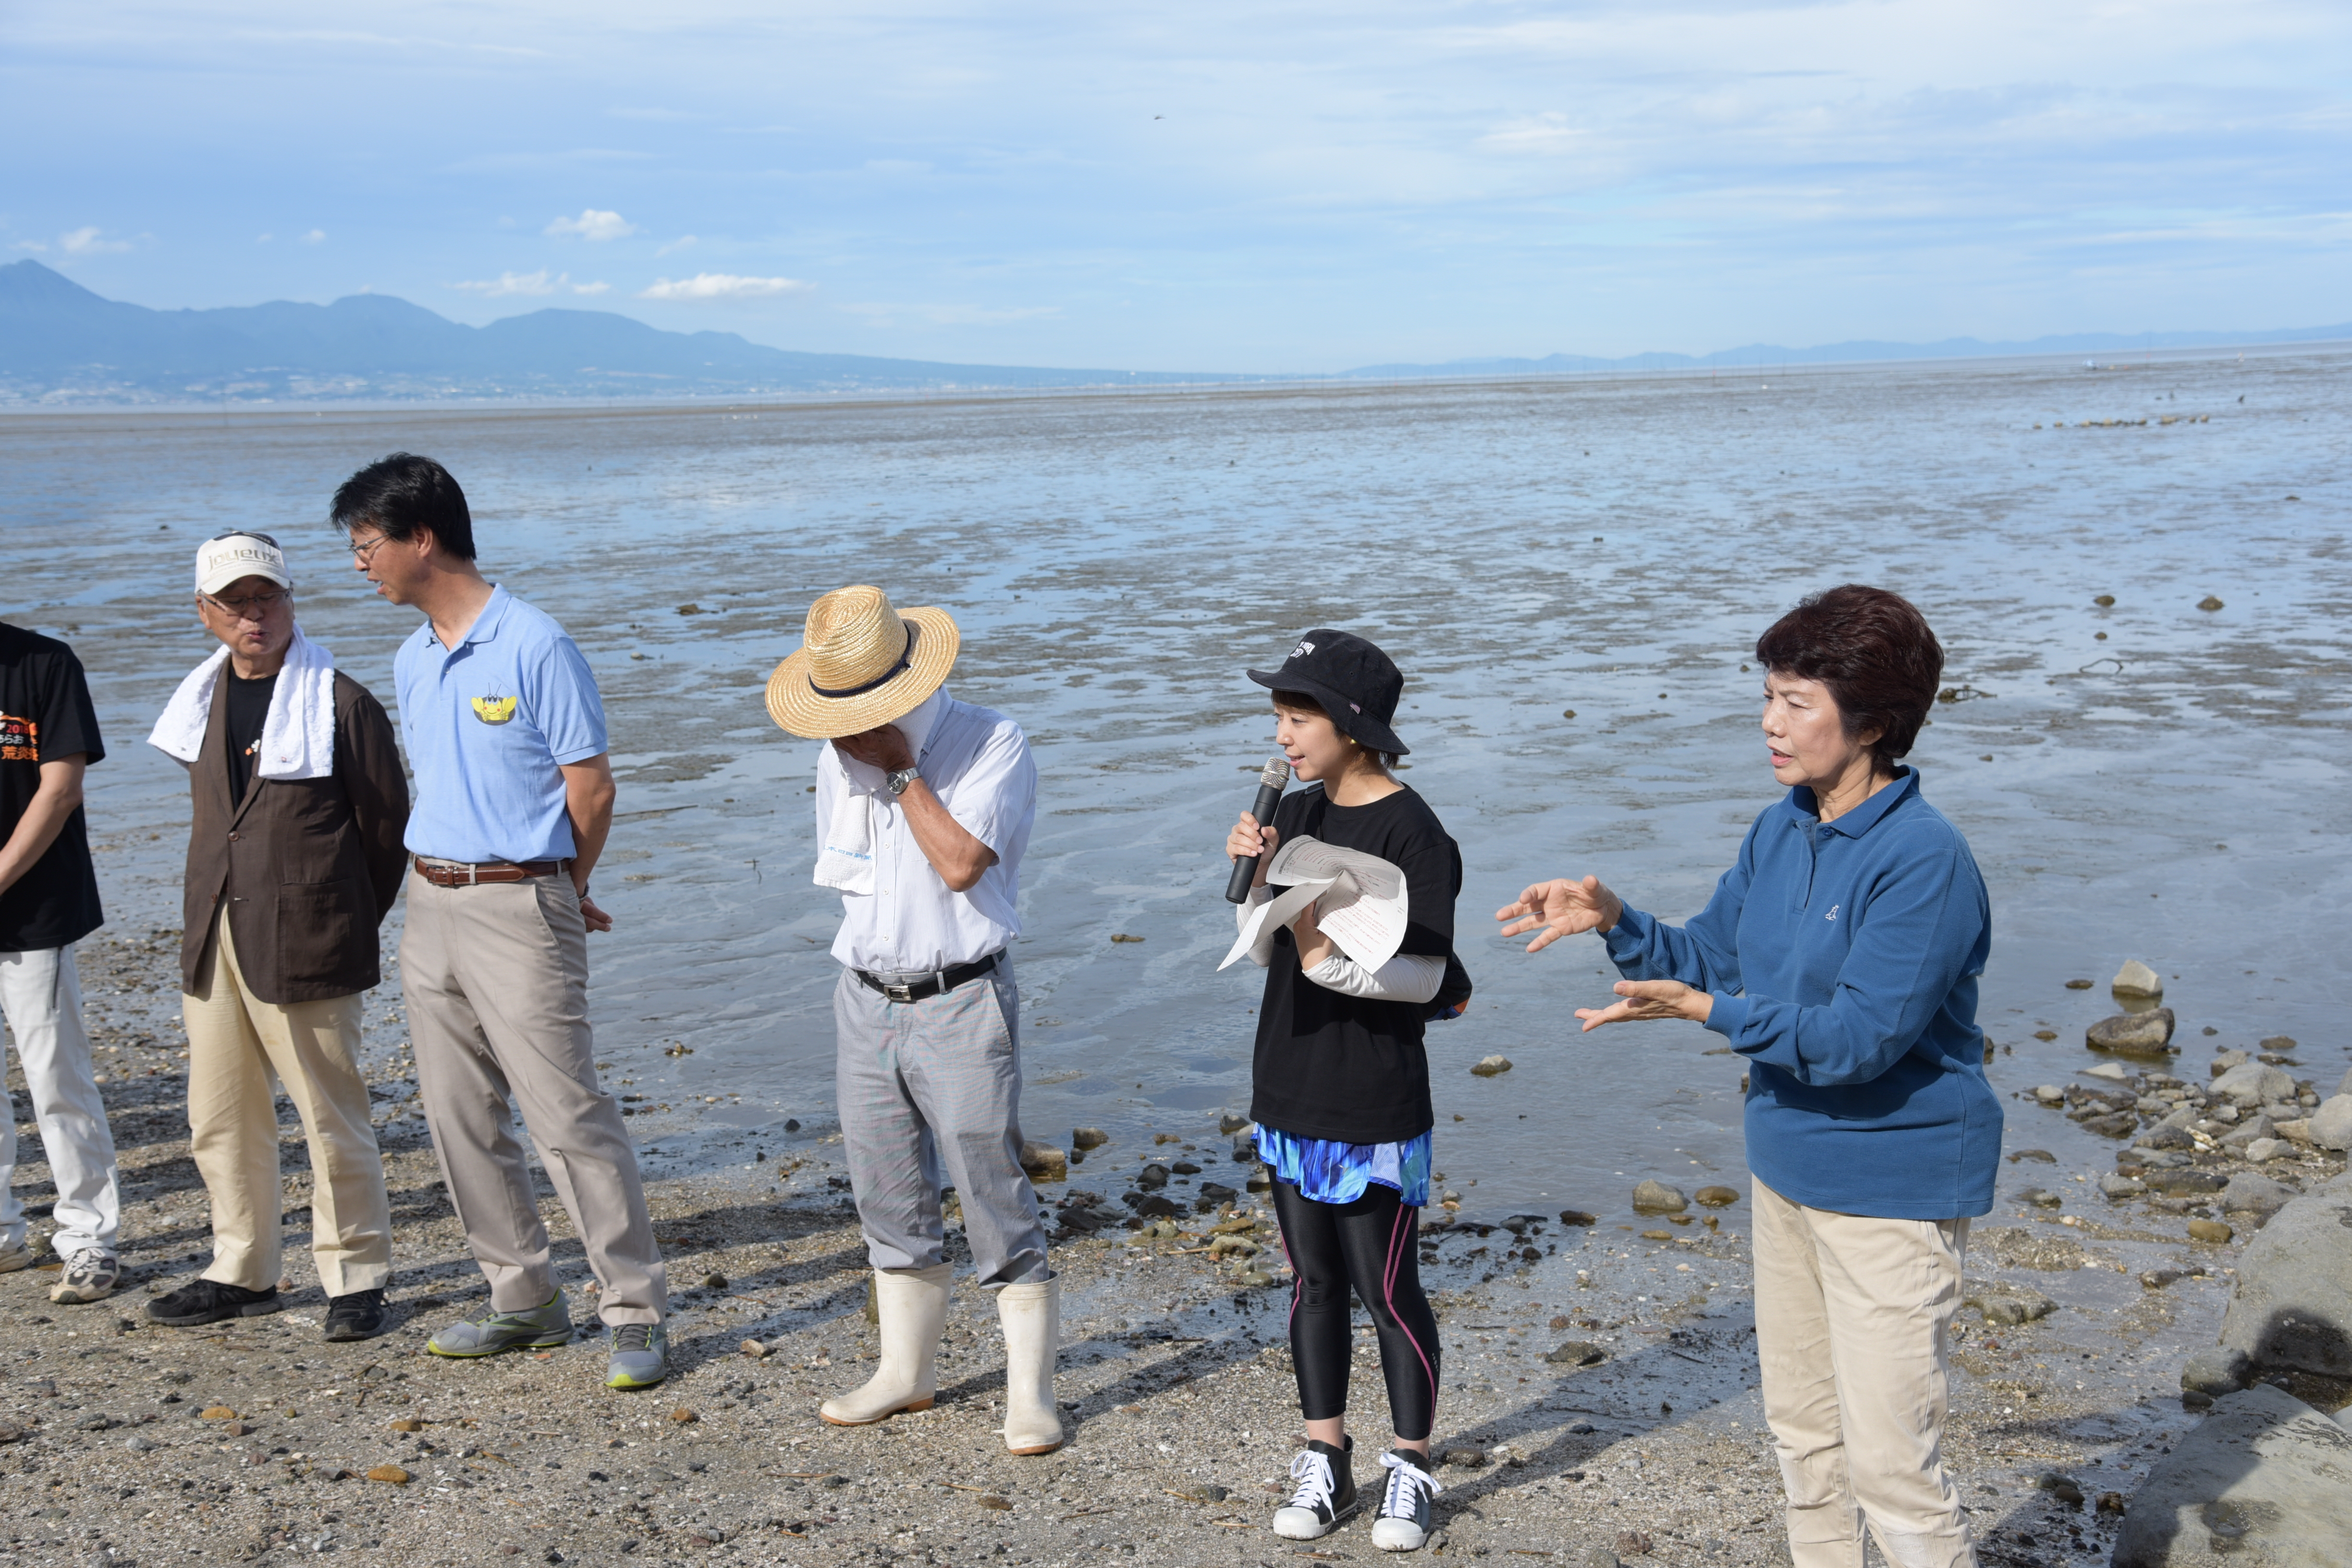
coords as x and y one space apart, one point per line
931 986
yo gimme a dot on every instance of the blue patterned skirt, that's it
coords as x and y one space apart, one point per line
1331 1172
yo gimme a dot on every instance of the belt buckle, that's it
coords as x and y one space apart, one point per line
897 992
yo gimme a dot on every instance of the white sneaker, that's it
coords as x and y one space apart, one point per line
1406 1514
90 1276
12 1258
1325 1494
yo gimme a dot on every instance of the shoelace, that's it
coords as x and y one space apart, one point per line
89 1260
1316 1485
632 1337
1405 1474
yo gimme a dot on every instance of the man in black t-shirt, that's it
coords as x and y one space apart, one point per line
48 901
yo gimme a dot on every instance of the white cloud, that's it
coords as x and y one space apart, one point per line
593 225
534 284
34 246
680 243
506 283
263 238
314 236
708 286
88 242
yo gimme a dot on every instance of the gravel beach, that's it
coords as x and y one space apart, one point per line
1599 1377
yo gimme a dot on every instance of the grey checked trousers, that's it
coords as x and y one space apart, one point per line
936 1083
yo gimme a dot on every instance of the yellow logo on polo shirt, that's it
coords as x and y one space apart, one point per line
494 709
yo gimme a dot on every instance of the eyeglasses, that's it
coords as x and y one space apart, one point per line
365 553
252 606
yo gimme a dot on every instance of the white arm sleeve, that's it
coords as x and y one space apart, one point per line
1407 977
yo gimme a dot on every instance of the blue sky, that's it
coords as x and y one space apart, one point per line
1207 186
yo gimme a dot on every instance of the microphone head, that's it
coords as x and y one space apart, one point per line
1277 775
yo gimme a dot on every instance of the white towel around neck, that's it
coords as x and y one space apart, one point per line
844 860
298 737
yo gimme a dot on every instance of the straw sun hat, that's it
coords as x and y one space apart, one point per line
862 664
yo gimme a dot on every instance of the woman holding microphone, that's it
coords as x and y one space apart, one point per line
1840 956
1340 1083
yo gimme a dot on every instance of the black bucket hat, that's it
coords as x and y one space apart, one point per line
1358 685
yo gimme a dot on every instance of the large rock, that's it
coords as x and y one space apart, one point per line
2346 1087
2331 1124
2250 1085
2266 1481
2254 1127
2257 1196
2144 1034
2293 1307
2135 979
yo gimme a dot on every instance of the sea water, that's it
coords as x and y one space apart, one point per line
1572 573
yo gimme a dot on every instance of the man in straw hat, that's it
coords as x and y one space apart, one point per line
514 799
923 808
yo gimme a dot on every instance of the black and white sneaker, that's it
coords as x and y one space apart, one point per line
1325 1494
1406 1513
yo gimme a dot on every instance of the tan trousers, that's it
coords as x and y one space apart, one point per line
495 978
1851 1320
236 1043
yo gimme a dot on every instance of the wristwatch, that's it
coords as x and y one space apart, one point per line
901 779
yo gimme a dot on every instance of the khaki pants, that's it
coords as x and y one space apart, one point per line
1851 1320
236 1042
495 978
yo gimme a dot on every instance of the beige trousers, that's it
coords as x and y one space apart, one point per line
1851 1320
236 1043
495 978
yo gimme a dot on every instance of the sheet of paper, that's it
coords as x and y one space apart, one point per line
1277 910
1359 899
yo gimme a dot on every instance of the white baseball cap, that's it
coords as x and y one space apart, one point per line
225 558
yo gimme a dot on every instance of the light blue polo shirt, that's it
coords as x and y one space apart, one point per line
488 723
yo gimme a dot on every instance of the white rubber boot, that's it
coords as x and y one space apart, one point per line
912 1304
1032 1318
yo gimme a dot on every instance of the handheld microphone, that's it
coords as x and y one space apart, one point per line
1270 784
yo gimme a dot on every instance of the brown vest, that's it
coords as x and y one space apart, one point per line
308 868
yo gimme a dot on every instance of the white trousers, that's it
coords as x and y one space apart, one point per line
1852 1315
40 993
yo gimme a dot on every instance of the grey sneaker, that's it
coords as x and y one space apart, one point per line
90 1276
640 1356
542 1327
12 1258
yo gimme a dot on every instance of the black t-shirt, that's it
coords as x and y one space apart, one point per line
248 709
1352 1067
45 713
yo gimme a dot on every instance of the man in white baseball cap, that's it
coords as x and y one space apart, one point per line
294 860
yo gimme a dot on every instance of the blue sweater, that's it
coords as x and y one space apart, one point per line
1843 959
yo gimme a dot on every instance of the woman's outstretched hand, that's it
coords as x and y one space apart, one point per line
1647 999
1563 909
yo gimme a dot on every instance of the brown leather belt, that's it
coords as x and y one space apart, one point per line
467 876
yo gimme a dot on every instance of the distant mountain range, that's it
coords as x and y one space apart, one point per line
62 344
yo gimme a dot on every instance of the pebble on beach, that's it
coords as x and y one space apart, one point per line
1044 1162
1716 1197
1657 1197
1491 1067
2146 1035
2136 979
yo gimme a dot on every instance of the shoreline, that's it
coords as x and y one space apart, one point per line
1174 1364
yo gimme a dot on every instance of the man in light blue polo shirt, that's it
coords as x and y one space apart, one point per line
513 801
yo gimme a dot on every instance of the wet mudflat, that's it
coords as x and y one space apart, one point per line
2169 791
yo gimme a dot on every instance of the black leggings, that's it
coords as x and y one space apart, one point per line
1370 1244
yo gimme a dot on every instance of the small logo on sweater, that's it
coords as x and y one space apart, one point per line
1834 910
494 709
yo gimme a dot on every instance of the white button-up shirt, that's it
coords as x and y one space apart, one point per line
977 761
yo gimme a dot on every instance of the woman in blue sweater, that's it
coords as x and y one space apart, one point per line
1840 956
